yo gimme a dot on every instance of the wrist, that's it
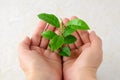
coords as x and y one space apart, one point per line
46 75
82 74
36 76
87 75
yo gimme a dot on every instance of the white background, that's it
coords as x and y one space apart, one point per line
18 19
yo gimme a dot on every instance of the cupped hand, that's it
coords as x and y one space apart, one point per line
86 56
36 59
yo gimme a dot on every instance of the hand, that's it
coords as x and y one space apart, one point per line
86 56
36 60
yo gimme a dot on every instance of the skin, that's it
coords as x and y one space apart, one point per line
39 63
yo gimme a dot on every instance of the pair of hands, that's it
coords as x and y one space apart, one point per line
39 63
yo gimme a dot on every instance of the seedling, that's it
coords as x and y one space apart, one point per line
60 42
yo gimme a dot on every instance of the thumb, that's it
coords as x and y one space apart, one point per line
25 44
96 42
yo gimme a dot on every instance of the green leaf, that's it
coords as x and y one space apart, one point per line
49 34
69 39
78 24
68 31
50 18
56 42
65 51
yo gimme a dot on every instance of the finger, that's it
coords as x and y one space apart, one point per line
65 21
48 53
96 42
44 42
84 36
25 45
37 34
72 46
74 17
57 31
78 42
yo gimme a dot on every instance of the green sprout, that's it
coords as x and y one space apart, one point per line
60 42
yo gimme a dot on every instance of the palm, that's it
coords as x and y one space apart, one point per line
68 62
42 59
71 62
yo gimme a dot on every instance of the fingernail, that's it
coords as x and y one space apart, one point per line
74 17
93 32
26 37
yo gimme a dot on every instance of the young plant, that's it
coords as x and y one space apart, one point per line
60 42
